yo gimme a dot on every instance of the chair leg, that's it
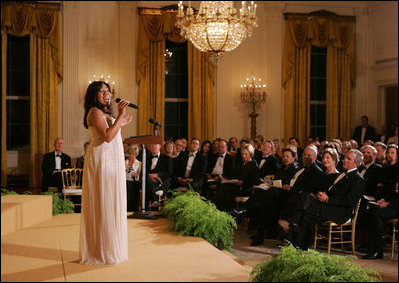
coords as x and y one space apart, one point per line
329 239
393 239
353 239
315 236
342 238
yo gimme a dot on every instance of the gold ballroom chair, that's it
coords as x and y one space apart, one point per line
72 182
348 227
394 223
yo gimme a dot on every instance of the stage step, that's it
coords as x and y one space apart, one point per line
22 211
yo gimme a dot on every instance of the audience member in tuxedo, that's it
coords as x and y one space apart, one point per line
190 167
214 148
179 146
53 163
264 206
364 131
222 165
306 180
170 149
386 207
371 172
247 176
267 162
381 150
295 141
133 177
184 141
80 160
257 152
258 143
206 148
333 204
159 170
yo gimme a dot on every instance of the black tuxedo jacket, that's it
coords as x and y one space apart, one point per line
229 165
309 180
369 135
48 166
197 170
342 198
285 174
269 167
371 177
164 167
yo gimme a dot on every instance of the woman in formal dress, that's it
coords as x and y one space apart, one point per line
133 180
247 173
103 218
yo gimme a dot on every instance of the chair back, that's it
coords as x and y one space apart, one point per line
355 213
72 178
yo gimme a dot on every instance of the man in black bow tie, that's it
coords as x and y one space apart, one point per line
159 173
189 167
53 163
221 165
336 204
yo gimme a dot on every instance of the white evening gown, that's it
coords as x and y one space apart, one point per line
104 238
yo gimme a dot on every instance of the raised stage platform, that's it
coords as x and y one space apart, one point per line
48 251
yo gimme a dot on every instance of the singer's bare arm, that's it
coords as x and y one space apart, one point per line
96 118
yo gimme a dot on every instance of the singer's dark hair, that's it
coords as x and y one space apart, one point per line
92 101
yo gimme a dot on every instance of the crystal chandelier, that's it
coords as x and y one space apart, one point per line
216 28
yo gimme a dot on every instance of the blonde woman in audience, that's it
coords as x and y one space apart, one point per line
133 177
170 149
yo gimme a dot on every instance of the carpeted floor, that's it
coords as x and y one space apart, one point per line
387 267
49 252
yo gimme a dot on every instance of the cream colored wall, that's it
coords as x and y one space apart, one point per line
98 38
101 37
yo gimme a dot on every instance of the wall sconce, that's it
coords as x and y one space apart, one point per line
254 93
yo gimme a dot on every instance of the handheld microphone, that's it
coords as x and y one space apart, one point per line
152 121
130 104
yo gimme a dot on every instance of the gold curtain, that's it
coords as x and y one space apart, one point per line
41 22
321 29
201 75
3 108
154 28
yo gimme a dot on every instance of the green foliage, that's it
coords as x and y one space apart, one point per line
295 265
192 215
5 192
59 204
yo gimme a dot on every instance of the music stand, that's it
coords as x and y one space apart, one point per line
148 139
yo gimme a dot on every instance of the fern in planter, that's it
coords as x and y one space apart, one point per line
295 265
59 204
192 215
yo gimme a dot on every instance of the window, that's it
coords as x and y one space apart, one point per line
318 64
18 110
176 90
